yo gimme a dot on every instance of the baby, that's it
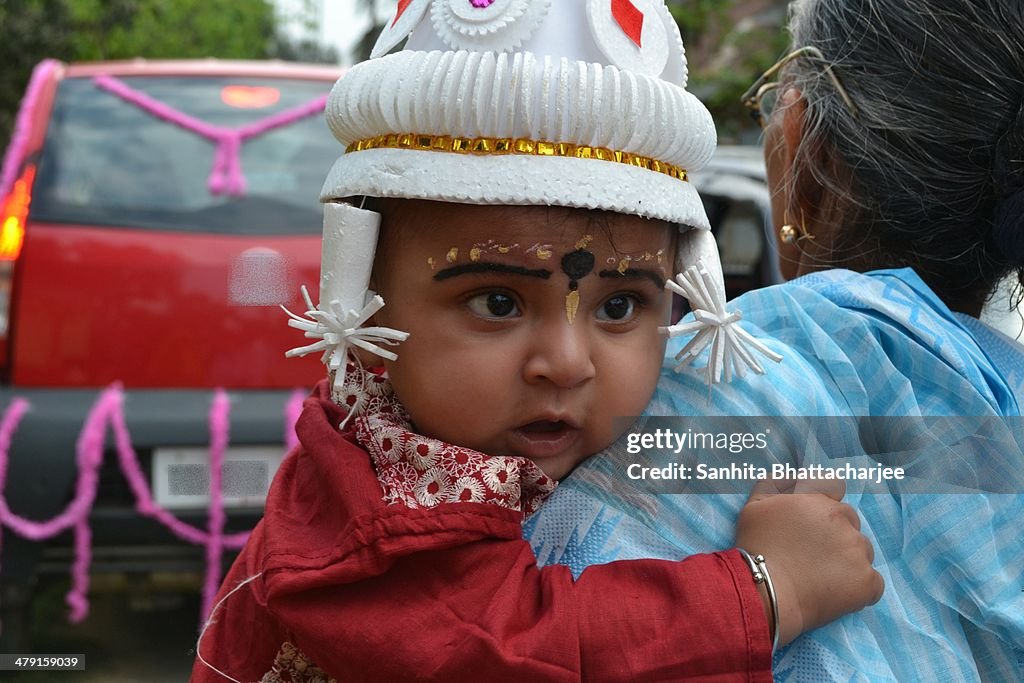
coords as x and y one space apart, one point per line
537 325
528 200
505 382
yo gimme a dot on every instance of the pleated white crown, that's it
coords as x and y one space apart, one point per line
568 102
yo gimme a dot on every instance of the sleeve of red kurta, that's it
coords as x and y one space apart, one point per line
241 639
390 593
484 608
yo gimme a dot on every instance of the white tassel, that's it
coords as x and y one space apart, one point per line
730 344
338 329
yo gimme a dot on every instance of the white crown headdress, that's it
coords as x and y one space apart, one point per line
573 103
577 103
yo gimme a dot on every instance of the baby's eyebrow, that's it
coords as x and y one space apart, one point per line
488 267
657 278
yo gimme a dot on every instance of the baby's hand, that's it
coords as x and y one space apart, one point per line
820 563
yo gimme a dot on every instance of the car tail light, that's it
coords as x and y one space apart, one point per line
249 96
13 214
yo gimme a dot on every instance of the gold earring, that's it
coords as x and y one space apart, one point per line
790 234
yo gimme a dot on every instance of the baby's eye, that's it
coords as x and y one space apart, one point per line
493 305
618 308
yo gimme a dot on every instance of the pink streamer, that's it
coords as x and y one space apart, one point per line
90 457
76 600
9 424
218 443
109 410
291 417
226 175
15 154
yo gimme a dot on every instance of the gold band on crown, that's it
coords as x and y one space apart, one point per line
448 143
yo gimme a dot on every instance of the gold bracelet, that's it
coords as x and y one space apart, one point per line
759 569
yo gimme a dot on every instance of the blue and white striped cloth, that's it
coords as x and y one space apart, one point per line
854 344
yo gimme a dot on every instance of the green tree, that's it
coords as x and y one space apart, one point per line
120 29
29 31
728 43
375 10
302 49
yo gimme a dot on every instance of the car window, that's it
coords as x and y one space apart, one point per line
107 161
740 234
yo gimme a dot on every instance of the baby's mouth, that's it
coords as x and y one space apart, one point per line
544 438
544 427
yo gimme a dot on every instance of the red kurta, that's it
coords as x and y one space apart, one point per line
375 592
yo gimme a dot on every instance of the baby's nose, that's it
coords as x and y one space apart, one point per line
559 353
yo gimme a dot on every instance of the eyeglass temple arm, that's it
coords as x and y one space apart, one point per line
749 98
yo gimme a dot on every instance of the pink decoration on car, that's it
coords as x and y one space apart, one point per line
226 175
292 409
108 410
216 517
629 18
15 154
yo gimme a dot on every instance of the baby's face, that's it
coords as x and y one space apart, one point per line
531 328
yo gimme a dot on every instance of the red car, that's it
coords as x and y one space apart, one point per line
158 214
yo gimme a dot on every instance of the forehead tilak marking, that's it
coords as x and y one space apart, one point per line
577 264
480 248
492 246
622 263
542 251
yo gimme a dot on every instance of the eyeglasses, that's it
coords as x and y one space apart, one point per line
761 97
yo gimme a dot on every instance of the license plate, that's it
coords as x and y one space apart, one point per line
181 476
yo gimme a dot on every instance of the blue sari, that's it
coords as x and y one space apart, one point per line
876 344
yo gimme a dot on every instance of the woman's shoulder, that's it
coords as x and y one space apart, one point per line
856 343
898 296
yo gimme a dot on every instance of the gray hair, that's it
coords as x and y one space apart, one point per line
929 173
